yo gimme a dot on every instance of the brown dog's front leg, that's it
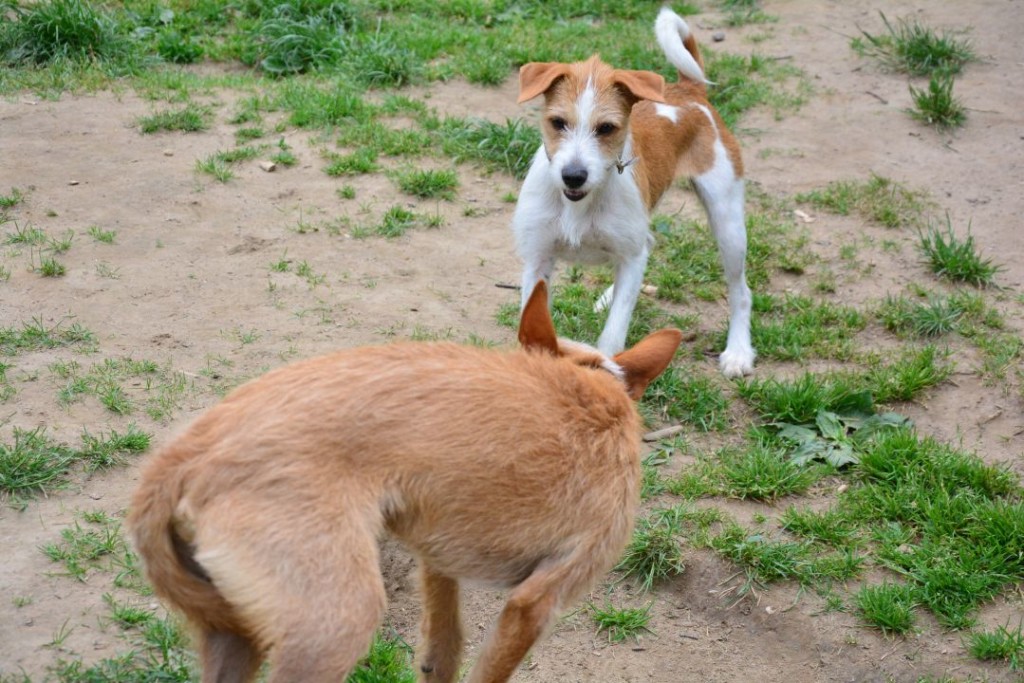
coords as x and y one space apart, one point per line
441 628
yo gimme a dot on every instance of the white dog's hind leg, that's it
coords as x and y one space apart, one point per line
722 195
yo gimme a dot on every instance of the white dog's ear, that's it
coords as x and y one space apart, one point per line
648 359
643 85
536 78
536 331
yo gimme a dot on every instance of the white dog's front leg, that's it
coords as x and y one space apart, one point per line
629 278
533 272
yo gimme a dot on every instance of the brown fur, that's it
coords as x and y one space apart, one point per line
521 469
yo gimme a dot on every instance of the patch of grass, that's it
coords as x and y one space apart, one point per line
1002 644
101 452
799 401
284 156
936 105
762 559
762 472
293 41
798 328
191 118
911 47
126 615
878 199
9 201
741 83
427 184
654 554
911 372
835 526
55 31
51 267
389 661
36 335
621 623
360 162
954 259
101 235
25 235
312 105
32 463
681 395
216 167
508 147
934 314
60 245
887 606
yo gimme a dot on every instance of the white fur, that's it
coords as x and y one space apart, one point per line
671 31
610 223
667 111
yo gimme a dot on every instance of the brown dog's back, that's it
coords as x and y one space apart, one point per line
260 522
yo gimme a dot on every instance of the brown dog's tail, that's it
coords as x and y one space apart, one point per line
163 542
679 45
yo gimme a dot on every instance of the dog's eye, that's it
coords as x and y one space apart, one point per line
606 129
558 123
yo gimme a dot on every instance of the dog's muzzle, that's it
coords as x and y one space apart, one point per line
574 178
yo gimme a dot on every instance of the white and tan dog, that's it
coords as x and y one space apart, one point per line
614 140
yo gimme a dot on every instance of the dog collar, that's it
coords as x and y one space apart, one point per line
621 165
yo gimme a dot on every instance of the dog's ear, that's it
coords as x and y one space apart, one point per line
536 78
643 85
536 331
648 359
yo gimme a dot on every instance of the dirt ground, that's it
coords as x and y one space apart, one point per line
193 263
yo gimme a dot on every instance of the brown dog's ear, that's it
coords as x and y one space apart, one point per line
536 331
536 78
643 85
648 359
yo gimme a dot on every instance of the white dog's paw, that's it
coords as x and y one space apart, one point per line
737 363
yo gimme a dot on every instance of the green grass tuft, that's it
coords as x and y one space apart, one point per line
955 259
936 105
910 46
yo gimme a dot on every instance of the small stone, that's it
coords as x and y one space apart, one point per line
168 152
268 166
718 36
72 182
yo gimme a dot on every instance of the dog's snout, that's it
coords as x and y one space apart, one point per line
574 176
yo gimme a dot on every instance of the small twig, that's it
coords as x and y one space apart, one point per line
877 97
503 285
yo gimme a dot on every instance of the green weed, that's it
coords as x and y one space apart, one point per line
621 623
910 46
1002 644
878 199
191 118
936 105
101 235
954 259
427 184
654 553
887 606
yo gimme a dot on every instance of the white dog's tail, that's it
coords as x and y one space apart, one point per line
679 45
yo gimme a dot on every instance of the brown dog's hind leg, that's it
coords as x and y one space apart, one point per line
532 606
227 657
442 629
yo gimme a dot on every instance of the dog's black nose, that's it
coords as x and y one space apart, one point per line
574 176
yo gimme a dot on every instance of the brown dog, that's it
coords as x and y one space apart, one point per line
520 469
